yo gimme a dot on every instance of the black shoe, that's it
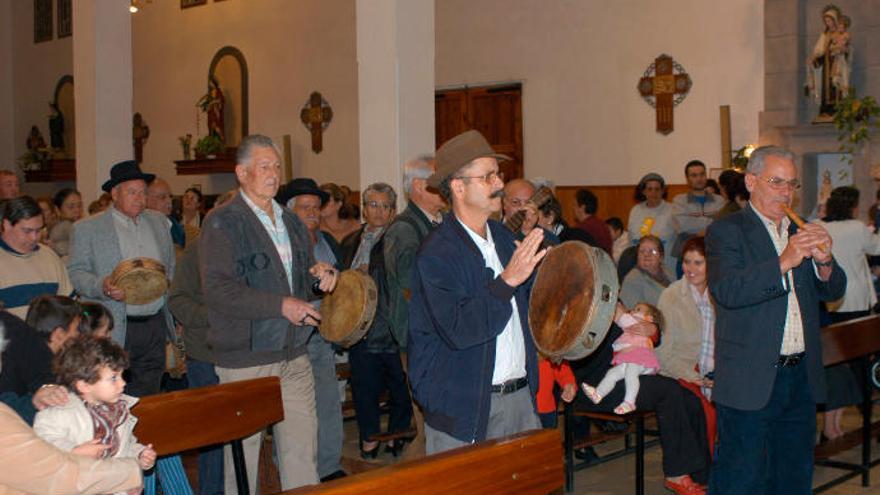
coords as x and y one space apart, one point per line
334 475
396 446
587 454
369 454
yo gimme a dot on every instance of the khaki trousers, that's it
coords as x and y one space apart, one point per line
295 437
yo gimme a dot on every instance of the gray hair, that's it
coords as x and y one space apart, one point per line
380 188
249 143
419 167
758 158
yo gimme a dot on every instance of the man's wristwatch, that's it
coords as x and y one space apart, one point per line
824 263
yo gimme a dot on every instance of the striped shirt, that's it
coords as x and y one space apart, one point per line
707 340
274 226
26 276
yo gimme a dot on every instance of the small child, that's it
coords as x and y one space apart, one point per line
633 356
96 421
96 320
550 374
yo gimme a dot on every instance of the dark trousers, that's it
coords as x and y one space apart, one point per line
202 374
371 374
768 451
145 344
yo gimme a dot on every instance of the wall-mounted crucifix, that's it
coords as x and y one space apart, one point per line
316 115
664 85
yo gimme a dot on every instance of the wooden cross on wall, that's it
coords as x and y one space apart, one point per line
140 132
316 115
664 85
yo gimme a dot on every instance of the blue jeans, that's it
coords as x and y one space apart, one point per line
201 374
768 451
328 405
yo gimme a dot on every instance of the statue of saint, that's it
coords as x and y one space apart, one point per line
56 127
35 141
213 104
829 64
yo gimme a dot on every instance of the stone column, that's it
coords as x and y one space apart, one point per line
395 52
102 75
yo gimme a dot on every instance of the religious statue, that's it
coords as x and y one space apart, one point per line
829 65
140 132
213 103
56 127
35 141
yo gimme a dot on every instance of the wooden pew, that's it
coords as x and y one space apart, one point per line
194 418
842 342
527 463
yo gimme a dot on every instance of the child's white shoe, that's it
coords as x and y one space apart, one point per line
592 393
625 407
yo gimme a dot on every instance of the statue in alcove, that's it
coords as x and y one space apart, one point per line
213 104
35 141
56 127
829 64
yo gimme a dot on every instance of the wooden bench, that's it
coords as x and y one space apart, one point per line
199 417
636 420
843 342
528 463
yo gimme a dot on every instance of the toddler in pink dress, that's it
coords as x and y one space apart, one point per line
633 356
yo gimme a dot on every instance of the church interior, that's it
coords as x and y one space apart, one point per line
579 93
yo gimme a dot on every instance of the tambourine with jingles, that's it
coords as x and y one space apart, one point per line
347 312
573 300
143 279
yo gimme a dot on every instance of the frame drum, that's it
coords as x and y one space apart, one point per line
143 280
347 312
573 300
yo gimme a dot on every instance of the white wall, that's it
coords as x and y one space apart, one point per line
583 119
291 49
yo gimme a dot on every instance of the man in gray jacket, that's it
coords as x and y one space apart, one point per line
126 230
257 272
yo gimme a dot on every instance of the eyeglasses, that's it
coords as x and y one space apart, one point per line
780 183
650 251
488 178
375 204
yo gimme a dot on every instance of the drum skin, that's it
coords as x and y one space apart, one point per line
573 300
143 280
347 312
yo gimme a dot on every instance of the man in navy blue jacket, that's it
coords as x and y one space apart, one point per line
472 362
767 278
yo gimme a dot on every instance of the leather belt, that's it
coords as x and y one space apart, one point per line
785 361
510 386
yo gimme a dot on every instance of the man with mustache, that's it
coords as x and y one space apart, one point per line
767 278
304 198
257 272
472 362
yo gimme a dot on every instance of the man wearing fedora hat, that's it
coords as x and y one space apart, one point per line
472 362
99 243
303 197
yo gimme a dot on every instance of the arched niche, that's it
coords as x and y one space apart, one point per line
230 69
63 99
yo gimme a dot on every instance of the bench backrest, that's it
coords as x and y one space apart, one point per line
850 340
198 417
528 463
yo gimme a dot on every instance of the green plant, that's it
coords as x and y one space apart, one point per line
853 118
30 158
209 145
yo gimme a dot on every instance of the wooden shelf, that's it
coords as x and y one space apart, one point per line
57 171
219 165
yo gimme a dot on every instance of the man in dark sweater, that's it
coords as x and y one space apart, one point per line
257 271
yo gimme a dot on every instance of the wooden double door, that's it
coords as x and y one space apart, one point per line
495 111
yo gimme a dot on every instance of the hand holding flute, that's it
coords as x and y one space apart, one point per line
810 241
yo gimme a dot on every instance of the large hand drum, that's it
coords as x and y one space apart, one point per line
143 280
573 300
348 311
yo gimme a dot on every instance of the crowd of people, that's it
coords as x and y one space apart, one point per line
721 299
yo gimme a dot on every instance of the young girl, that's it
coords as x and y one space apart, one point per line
549 375
96 421
633 356
96 320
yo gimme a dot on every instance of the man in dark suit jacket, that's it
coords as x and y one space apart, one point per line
767 278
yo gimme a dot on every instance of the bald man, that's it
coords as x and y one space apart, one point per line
160 199
517 194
